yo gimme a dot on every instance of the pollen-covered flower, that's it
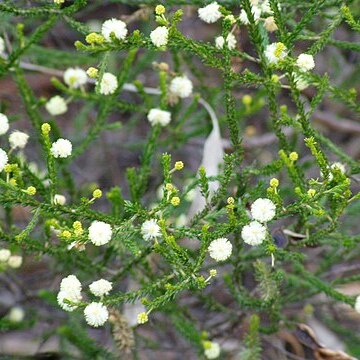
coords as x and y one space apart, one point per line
305 62
263 210
220 249
210 13
61 148
181 86
3 159
142 318
56 106
75 77
108 84
4 255
159 36
211 350
150 230
115 26
254 10
159 117
254 233
4 124
100 233
18 139
96 314
59 199
275 52
100 287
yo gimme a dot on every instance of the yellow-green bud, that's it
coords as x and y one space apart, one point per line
160 10
230 200
66 234
92 72
293 156
169 187
8 168
94 38
77 225
311 192
179 165
31 190
97 193
13 182
175 201
45 128
142 318
274 182
275 78
247 99
213 272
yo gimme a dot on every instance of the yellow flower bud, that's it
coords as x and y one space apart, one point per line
293 156
97 193
230 200
13 182
92 72
179 165
169 187
213 272
274 182
175 201
8 168
94 38
77 225
160 10
66 234
45 128
31 190
142 318
311 192
247 99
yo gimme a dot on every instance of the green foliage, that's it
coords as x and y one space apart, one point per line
264 281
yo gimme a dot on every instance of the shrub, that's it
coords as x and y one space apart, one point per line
266 228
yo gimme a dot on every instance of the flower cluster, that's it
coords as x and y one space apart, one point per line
9 260
69 298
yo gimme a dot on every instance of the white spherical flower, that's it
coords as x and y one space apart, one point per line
2 45
4 255
275 52
159 117
220 249
108 84
256 11
305 62
101 287
210 13
212 351
15 261
4 124
59 199
150 230
219 42
3 159
254 233
115 26
159 36
357 304
100 233
96 314
56 106
75 77
181 86
263 210
16 314
71 285
73 298
18 139
61 148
